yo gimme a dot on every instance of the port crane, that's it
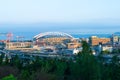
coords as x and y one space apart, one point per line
9 36
20 38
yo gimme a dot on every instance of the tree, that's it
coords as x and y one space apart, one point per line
10 77
105 52
86 66
1 58
60 69
16 61
67 72
6 62
86 48
115 68
25 75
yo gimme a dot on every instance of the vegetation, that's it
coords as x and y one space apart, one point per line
105 52
116 51
84 66
10 77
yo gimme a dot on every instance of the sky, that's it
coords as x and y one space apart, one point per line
60 15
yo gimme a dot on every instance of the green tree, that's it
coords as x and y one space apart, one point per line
111 70
10 77
86 66
1 58
16 62
60 69
105 52
86 48
25 75
6 61
115 68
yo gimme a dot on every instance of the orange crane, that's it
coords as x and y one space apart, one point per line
8 35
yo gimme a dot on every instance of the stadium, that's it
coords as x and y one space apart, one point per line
52 38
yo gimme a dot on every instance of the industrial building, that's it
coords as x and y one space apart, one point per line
94 40
18 45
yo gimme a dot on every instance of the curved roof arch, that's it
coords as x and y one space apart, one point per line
53 34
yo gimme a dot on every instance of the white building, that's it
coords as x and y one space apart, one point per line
107 48
77 50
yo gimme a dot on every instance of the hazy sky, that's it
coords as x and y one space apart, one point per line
60 15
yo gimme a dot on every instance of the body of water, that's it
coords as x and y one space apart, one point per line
30 35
